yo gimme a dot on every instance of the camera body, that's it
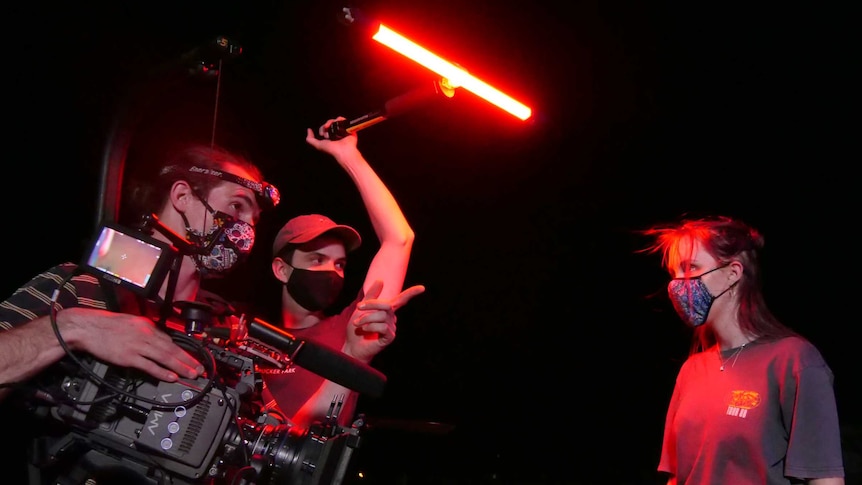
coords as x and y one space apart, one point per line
209 430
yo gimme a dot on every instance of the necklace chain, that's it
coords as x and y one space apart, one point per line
733 356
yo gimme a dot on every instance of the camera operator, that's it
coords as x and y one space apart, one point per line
210 196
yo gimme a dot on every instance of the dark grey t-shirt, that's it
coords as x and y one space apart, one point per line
769 415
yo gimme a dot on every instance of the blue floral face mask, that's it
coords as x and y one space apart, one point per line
691 298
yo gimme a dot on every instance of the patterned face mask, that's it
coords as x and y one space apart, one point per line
691 298
227 244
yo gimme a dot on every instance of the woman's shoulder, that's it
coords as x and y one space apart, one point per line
796 348
791 342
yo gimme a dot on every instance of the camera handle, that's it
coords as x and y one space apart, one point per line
196 315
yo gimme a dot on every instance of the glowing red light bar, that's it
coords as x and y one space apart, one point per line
452 74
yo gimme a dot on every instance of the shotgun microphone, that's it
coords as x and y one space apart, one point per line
330 364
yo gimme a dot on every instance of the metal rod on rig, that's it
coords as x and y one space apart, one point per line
202 60
394 107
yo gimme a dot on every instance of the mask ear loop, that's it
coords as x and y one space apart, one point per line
218 220
726 290
731 287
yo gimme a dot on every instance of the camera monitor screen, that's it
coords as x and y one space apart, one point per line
129 258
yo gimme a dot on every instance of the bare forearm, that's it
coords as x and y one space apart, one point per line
28 349
116 338
320 405
389 222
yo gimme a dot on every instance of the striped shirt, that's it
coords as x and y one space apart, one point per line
33 299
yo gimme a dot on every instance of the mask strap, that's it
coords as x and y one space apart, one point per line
205 203
186 221
216 220
726 290
725 265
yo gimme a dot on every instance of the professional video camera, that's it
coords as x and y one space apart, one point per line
119 424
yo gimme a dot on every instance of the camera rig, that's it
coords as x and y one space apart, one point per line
111 424
107 424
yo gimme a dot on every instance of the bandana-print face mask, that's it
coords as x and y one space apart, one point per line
227 244
691 298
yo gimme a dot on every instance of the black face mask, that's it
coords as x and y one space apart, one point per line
314 290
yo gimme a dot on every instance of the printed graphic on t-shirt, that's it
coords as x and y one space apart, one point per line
741 402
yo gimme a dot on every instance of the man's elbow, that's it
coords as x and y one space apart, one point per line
408 237
404 239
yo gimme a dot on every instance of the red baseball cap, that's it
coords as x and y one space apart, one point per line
304 228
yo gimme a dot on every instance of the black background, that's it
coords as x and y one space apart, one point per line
544 349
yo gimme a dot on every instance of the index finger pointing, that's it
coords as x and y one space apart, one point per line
406 296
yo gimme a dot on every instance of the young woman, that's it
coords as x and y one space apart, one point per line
754 402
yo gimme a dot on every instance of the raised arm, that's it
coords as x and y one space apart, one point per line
372 326
395 235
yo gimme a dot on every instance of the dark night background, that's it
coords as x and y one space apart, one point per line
544 349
